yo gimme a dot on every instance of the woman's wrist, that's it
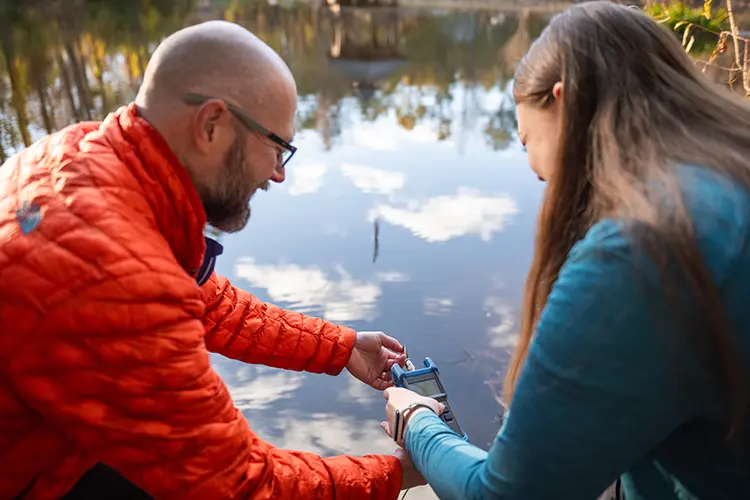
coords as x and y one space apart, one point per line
410 411
417 411
402 405
416 421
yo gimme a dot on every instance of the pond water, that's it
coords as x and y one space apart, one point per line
409 207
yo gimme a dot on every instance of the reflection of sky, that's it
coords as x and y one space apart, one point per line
373 180
438 305
311 291
306 178
371 137
258 387
454 243
445 217
502 334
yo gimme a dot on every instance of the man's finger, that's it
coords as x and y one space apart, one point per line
391 343
397 357
401 360
381 384
384 381
388 365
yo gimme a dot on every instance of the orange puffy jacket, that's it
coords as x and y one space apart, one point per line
105 340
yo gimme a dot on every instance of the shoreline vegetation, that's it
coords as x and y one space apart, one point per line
712 36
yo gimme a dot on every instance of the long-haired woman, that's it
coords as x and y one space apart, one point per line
634 346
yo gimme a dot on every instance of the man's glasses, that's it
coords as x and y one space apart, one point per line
287 150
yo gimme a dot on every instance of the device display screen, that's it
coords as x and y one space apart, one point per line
428 387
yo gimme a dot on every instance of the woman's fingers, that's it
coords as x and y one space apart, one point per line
386 427
387 393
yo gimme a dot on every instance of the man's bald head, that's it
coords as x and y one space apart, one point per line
215 58
235 72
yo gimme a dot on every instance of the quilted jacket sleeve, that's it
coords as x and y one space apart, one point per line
119 365
239 326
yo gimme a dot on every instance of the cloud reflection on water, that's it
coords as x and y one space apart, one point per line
441 218
373 180
438 306
311 290
503 334
374 137
306 178
266 388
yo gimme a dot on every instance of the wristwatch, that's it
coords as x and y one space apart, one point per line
402 419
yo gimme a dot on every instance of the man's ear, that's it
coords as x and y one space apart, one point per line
209 125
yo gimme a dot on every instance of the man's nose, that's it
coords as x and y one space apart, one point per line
279 174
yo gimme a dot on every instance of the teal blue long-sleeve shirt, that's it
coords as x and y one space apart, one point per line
613 384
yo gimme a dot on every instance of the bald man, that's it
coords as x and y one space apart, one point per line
109 304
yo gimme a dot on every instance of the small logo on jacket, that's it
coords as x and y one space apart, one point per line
29 216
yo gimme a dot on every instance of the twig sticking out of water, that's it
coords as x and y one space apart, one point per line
376 248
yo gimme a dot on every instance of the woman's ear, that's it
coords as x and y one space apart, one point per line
557 90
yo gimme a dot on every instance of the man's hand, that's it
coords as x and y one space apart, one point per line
410 476
372 358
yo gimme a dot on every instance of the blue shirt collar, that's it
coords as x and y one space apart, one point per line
213 250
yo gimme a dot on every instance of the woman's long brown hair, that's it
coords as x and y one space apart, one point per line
634 106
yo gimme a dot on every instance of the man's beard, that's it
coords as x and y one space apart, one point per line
227 200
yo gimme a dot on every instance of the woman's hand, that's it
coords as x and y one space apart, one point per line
399 399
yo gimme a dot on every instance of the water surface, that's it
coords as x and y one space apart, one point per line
409 207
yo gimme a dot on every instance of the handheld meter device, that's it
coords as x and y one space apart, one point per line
426 382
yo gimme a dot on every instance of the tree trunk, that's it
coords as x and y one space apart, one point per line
18 99
79 76
41 92
68 88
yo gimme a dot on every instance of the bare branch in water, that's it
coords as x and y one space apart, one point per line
741 65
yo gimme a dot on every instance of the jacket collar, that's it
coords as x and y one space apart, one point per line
168 188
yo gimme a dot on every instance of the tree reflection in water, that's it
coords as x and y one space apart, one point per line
71 60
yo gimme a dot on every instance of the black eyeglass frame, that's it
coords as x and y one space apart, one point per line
249 122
